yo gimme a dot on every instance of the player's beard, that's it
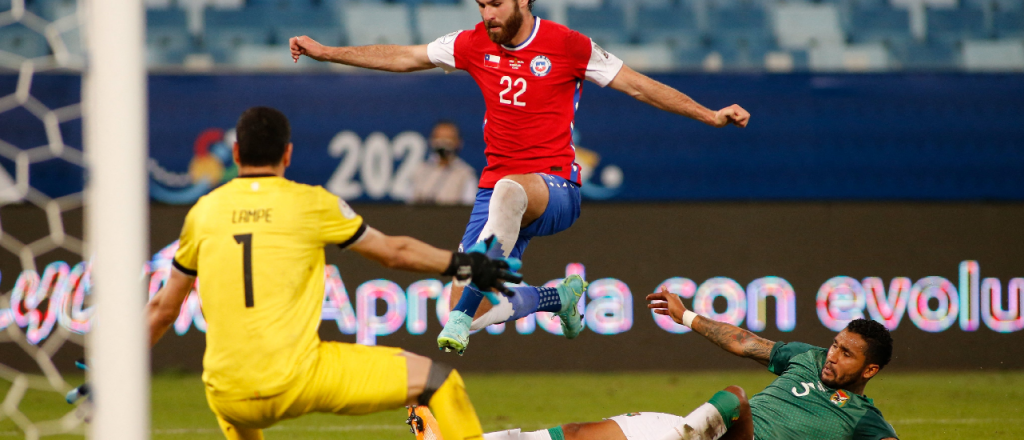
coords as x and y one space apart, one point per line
508 30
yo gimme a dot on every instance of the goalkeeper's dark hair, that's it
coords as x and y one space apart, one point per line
263 136
878 339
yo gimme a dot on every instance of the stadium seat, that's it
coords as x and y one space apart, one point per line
690 58
806 25
743 22
1009 24
167 37
52 10
879 25
674 26
606 25
856 58
1001 55
739 52
656 57
319 23
377 24
953 25
433 21
21 41
158 4
226 31
929 55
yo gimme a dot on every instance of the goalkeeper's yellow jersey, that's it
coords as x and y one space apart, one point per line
257 247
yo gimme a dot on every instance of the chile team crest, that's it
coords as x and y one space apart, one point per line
839 398
540 65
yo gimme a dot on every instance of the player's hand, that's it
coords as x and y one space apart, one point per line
484 265
306 46
664 302
733 114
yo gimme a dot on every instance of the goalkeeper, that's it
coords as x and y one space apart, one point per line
258 242
819 393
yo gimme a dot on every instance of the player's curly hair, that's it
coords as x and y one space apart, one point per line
529 5
878 338
263 136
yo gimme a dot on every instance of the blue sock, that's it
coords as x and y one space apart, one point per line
470 301
529 299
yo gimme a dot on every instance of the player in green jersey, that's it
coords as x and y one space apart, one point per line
819 393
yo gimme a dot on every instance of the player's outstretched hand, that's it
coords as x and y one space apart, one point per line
733 114
306 46
484 265
664 302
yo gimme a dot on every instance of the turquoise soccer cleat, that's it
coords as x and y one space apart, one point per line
455 335
570 290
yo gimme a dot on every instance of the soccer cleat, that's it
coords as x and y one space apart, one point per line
570 290
455 335
422 423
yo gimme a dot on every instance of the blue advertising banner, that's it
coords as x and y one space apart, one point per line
811 137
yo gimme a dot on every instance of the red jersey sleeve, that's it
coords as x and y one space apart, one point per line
590 61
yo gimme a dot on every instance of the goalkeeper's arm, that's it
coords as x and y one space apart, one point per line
164 307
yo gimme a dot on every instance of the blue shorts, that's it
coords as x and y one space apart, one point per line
562 211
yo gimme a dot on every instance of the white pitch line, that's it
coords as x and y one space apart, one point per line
193 431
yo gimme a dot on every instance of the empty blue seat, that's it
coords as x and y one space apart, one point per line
321 24
676 26
740 52
1009 24
226 31
953 25
604 25
748 21
17 39
930 55
167 36
879 25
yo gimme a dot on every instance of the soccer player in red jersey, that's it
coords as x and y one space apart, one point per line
531 72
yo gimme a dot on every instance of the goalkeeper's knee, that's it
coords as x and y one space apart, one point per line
445 394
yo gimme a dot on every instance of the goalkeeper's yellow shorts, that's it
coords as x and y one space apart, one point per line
346 379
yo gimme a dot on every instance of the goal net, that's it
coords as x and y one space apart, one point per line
47 267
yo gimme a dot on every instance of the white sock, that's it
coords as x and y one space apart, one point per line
704 423
511 434
498 313
535 435
505 214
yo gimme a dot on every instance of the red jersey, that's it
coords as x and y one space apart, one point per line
531 91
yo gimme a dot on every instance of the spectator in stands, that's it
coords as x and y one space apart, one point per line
444 179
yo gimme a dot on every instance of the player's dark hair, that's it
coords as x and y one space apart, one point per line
878 339
529 5
263 136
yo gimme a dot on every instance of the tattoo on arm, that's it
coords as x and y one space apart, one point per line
735 340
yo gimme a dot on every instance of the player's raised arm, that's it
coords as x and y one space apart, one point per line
387 57
164 307
407 253
733 339
652 92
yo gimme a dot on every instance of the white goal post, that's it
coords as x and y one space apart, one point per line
117 224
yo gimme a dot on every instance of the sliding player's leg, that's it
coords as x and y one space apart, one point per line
440 388
351 379
725 416
232 432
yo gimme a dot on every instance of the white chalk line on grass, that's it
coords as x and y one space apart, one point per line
343 428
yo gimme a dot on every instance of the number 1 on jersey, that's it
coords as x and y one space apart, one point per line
246 241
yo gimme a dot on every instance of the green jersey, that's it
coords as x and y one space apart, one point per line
797 406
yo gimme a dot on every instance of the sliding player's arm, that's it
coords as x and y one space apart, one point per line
659 95
386 57
733 339
164 307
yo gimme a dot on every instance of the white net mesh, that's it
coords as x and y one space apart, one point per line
43 282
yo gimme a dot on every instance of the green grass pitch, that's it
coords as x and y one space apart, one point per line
951 405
